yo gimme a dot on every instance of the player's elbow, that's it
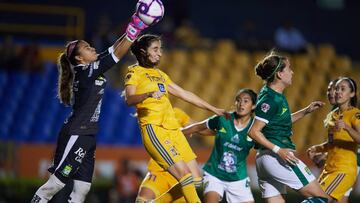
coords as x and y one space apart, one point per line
129 102
252 133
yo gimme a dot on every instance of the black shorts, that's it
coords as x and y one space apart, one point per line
74 158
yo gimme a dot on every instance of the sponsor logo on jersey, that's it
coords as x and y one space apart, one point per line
66 171
96 114
249 139
283 111
222 130
265 107
99 82
80 154
154 78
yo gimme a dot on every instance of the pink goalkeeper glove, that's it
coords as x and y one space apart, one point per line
134 28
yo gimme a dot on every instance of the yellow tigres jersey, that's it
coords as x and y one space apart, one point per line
181 117
342 151
183 120
152 111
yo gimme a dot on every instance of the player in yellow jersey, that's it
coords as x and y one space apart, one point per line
160 185
319 157
343 124
148 88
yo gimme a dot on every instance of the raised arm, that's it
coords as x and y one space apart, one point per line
301 113
193 99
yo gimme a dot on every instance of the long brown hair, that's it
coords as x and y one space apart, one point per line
66 75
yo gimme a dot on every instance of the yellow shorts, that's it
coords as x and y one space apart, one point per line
164 186
336 183
166 146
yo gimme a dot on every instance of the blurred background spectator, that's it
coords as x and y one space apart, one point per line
289 39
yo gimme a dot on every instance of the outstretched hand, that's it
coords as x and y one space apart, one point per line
135 26
156 94
318 158
222 112
288 156
313 106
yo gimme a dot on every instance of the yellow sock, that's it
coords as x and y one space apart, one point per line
198 182
188 189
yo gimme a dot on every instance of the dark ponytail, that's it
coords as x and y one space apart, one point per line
65 80
269 66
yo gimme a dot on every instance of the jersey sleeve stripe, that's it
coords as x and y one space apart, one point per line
114 57
262 119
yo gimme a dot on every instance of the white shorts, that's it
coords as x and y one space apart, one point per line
236 191
347 194
275 174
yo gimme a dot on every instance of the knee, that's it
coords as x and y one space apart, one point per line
179 170
79 192
48 190
146 193
183 170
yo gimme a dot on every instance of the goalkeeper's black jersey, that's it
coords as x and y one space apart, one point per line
88 90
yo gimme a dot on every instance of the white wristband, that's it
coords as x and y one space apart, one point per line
275 149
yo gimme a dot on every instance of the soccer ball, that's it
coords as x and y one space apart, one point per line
150 11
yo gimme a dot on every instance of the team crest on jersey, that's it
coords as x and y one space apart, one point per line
161 87
66 171
265 107
307 170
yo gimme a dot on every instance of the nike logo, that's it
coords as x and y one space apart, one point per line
283 111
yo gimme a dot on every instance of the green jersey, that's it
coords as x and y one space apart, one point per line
232 145
273 109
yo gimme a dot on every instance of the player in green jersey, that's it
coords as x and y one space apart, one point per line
226 171
276 164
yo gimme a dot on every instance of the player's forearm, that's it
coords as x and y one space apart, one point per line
321 147
261 139
197 101
194 128
137 98
121 47
353 133
298 115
